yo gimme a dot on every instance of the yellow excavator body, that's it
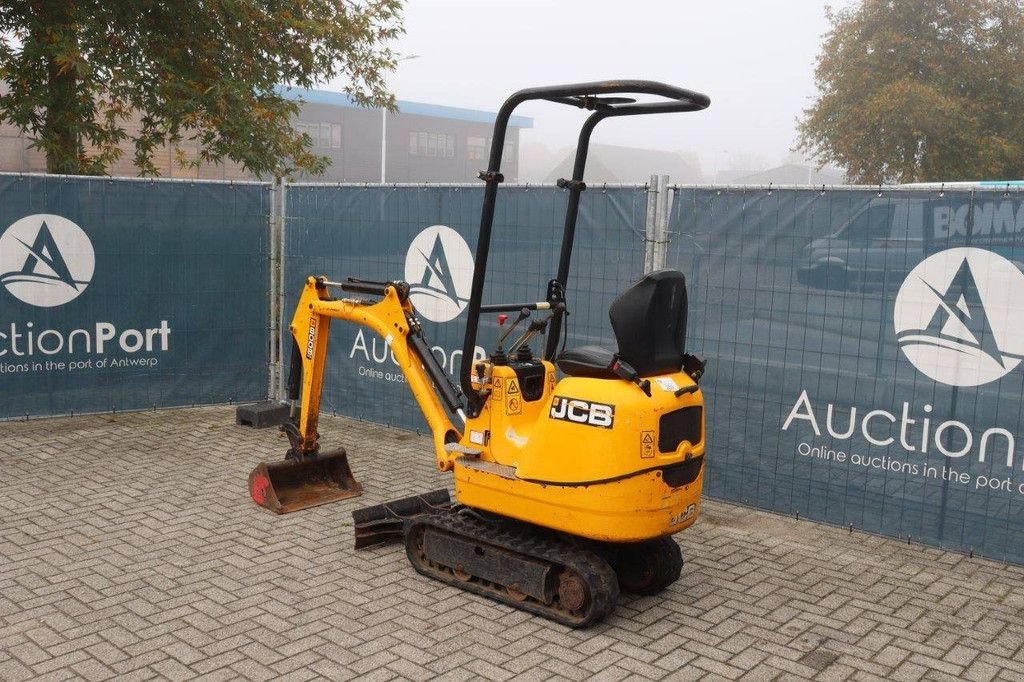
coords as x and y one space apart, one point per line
598 458
594 457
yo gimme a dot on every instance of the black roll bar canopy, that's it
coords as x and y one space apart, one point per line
585 96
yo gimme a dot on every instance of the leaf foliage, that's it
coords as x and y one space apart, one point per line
201 73
921 90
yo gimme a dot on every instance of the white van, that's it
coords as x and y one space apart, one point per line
883 241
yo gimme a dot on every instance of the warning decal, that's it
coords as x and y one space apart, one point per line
647 444
513 398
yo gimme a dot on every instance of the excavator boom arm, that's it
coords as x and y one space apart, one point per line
394 320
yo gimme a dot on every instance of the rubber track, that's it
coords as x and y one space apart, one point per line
666 560
599 576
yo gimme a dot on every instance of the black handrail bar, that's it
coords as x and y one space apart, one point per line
584 96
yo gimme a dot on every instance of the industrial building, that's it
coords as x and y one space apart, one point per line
424 143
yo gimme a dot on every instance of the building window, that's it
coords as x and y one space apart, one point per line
432 144
476 148
479 148
323 135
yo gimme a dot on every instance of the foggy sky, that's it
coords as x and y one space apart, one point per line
755 60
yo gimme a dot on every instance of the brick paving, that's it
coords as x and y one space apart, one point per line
130 550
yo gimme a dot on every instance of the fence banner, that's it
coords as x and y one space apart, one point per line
427 236
864 345
120 294
864 354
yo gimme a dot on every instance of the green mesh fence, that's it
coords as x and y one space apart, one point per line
864 351
387 233
122 295
864 345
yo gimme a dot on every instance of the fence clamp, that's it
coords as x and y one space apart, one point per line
492 176
574 185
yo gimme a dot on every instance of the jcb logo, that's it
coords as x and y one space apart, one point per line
682 516
582 412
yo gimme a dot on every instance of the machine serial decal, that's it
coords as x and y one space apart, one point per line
311 339
683 515
582 412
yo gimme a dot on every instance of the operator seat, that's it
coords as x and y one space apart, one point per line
649 321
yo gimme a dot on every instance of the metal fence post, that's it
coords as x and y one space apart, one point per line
275 389
659 249
659 206
650 224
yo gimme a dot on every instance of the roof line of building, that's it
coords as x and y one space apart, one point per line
31 175
341 99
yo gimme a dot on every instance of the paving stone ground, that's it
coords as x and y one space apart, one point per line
130 550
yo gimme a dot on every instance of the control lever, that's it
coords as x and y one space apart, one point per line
537 327
499 357
523 314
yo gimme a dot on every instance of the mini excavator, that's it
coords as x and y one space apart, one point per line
566 489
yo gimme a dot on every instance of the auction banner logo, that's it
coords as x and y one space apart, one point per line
959 317
46 260
439 270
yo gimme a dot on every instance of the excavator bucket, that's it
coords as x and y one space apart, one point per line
288 486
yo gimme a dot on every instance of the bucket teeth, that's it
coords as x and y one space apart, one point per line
289 486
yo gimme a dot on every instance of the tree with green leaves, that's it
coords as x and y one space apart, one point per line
78 74
921 90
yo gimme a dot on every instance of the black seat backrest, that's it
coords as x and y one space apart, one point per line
649 320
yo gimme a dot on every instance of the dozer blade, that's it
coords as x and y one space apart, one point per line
288 486
383 523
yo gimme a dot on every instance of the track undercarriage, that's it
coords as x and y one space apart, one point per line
564 578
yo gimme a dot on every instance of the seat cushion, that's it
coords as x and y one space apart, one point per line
594 362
